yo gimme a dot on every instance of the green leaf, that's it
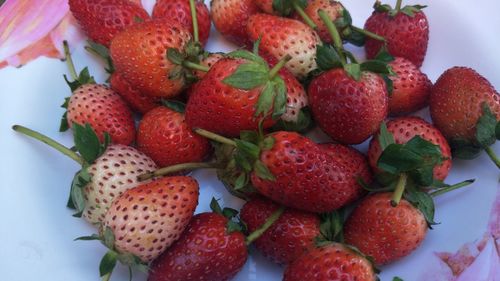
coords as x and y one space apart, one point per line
424 147
80 180
268 143
327 57
87 142
244 54
331 227
381 7
262 171
229 213
464 149
412 10
353 70
82 79
174 56
88 238
303 123
397 279
266 98
177 72
384 55
486 127
422 201
344 21
376 66
174 105
279 105
424 175
233 227
249 136
108 263
396 159
103 52
109 237
249 149
384 137
283 7
215 207
248 76
241 181
256 46
64 126
497 131
387 179
389 84
242 161
356 38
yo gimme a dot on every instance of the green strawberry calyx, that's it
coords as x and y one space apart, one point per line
407 10
187 61
285 8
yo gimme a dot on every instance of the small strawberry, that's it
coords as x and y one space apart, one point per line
137 101
164 136
466 109
179 11
406 31
403 129
102 20
281 37
230 18
333 261
385 232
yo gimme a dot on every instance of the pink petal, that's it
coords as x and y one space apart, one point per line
486 267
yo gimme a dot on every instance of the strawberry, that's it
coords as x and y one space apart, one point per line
281 37
146 45
411 87
384 232
164 136
208 61
137 101
102 20
288 238
403 129
179 11
230 18
406 32
332 261
466 109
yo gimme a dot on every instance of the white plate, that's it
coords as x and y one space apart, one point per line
37 230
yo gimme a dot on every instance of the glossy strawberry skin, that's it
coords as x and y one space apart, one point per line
349 111
221 108
330 262
164 136
135 99
139 54
230 18
180 11
288 238
404 129
104 110
103 19
456 102
284 36
384 232
147 219
205 251
307 176
406 36
411 88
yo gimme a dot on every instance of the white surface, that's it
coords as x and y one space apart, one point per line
37 229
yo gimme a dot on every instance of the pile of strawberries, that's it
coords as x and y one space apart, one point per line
325 211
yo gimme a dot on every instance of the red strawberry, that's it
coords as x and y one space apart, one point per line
331 262
411 88
406 31
207 250
102 20
349 111
104 110
136 100
166 138
288 238
147 219
333 8
404 129
180 11
139 54
282 37
114 172
230 18
456 102
384 232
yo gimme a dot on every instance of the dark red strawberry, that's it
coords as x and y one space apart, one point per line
406 32
103 19
136 100
230 18
179 11
164 136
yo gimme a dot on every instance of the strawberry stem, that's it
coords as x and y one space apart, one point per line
400 188
195 66
492 156
264 227
278 66
452 187
303 15
334 33
368 33
398 5
52 143
194 17
69 61
176 168
214 137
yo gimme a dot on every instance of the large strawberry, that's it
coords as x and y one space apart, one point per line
137 100
405 29
466 109
179 11
166 138
230 18
281 37
102 20
332 261
146 220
